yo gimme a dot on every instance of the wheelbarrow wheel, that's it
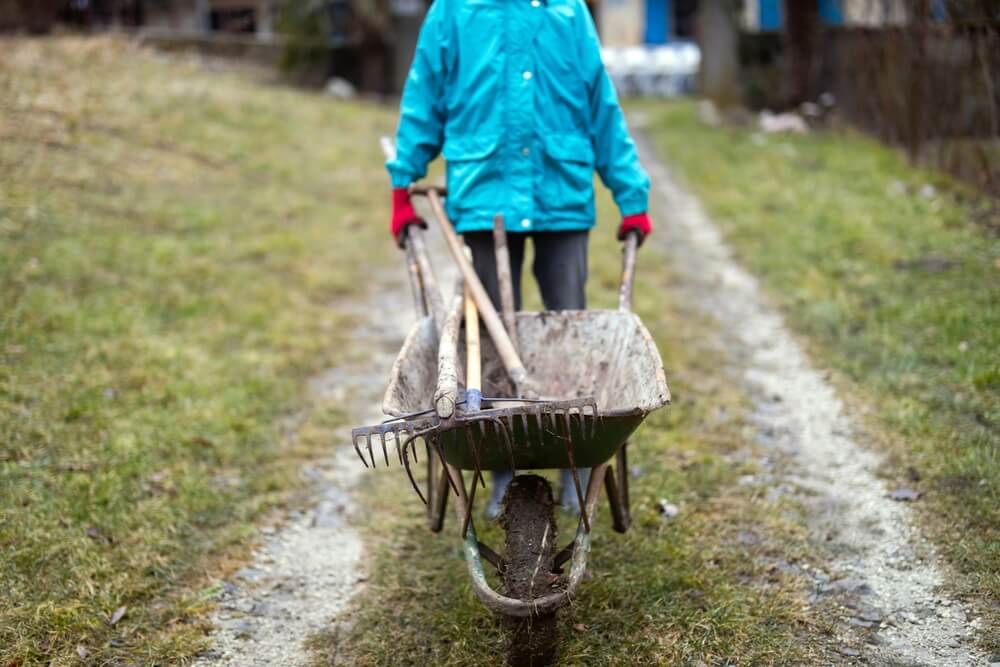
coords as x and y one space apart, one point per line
529 520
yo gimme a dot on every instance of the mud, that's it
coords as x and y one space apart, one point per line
886 580
530 541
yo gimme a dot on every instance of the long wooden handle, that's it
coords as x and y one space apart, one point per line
422 278
509 356
473 357
629 252
446 392
432 293
502 255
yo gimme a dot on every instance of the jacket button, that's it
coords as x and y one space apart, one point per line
526 223
525 151
527 76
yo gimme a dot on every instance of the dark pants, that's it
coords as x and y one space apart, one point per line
561 271
560 266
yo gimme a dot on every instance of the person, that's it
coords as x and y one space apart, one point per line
514 95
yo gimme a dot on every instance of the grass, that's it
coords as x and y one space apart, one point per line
892 276
679 591
174 243
173 246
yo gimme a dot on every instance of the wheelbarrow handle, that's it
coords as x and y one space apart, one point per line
422 278
629 251
426 293
424 188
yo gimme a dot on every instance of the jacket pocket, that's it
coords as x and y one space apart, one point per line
568 176
474 174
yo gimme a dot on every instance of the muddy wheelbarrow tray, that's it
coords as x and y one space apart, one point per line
605 354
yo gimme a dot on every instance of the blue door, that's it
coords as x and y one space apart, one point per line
831 12
657 21
770 16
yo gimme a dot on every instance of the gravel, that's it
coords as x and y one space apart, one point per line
306 571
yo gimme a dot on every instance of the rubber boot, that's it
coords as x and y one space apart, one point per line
568 499
499 481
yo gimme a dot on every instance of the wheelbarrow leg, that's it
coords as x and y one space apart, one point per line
616 486
621 459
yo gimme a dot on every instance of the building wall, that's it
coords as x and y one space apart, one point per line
874 13
751 15
763 15
190 15
767 15
622 22
180 15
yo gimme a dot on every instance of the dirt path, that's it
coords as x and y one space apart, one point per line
886 578
883 576
305 573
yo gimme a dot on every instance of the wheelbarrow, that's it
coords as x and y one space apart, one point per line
586 381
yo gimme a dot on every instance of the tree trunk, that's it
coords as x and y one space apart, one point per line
916 125
719 42
38 16
801 40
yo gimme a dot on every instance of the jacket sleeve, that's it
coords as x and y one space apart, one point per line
615 156
422 112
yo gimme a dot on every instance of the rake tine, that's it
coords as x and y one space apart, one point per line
385 452
517 426
589 425
598 420
554 431
478 430
576 475
575 415
508 424
409 472
354 438
534 420
472 497
502 430
474 447
371 454
399 452
440 452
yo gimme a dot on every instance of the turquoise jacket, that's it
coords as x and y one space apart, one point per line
514 94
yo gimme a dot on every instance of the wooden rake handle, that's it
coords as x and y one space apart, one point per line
494 326
473 358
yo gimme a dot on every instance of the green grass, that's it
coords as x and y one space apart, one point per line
174 243
173 246
666 592
894 285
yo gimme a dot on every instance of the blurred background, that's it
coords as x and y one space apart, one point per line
919 74
194 256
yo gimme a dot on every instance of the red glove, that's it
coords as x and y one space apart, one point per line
403 215
639 222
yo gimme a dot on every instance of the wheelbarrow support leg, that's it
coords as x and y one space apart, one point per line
620 518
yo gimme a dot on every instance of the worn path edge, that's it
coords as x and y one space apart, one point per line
872 550
302 577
